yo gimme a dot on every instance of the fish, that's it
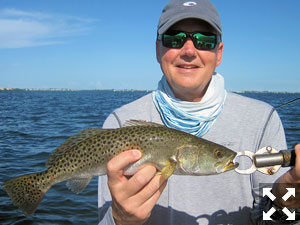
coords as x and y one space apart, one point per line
85 155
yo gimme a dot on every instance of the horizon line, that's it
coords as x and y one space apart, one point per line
113 89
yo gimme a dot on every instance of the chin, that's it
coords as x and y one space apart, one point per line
189 84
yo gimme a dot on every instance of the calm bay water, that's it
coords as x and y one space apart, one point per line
34 123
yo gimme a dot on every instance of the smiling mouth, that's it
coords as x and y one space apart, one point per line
188 66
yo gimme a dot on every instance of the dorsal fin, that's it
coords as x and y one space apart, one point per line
129 123
72 142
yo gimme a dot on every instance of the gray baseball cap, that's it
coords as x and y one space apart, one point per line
177 10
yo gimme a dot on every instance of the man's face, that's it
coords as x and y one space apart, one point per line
189 70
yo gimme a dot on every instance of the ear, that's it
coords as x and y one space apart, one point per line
219 53
158 56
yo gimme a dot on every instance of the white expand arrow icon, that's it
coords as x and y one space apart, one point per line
267 215
267 191
291 216
290 192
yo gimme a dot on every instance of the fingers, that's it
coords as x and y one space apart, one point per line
117 164
136 209
140 179
150 203
145 184
133 199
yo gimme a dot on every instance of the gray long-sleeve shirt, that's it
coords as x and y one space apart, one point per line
228 198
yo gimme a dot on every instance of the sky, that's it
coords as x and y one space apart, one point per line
97 44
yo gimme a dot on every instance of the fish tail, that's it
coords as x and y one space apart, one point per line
26 192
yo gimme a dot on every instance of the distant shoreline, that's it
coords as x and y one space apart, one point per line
66 89
123 90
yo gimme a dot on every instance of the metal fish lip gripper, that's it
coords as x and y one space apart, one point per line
267 160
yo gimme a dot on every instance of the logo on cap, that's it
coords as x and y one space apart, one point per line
189 3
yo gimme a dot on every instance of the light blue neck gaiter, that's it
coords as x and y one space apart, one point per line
192 117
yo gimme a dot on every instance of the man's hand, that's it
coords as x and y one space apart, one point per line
290 179
133 198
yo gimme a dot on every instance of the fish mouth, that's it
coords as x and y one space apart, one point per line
229 164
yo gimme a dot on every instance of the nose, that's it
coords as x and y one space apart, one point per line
188 49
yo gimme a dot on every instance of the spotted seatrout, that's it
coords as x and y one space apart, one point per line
85 155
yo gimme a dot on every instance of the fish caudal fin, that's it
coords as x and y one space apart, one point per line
26 192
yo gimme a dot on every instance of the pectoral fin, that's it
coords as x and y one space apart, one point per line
169 169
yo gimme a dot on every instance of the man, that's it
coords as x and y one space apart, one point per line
191 97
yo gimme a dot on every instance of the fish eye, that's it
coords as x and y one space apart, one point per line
218 153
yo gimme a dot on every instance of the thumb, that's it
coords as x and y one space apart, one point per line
297 163
295 172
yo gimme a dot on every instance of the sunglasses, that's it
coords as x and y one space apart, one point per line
201 40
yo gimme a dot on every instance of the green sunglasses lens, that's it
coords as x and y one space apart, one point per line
174 40
204 42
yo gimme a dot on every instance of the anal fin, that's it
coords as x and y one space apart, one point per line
77 185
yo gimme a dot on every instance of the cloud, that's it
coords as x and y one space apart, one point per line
19 29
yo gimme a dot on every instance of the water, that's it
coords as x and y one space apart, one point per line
33 124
